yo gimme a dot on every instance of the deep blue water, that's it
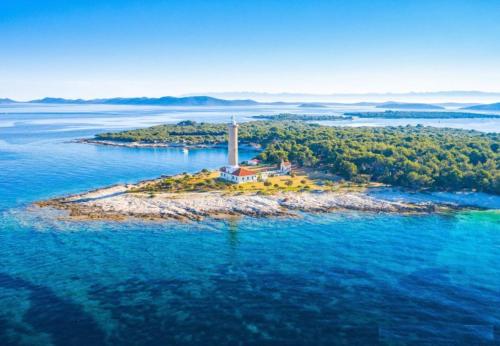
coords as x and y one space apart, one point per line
340 278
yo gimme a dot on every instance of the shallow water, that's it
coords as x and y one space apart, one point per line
345 278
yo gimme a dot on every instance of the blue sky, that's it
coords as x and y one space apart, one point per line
152 48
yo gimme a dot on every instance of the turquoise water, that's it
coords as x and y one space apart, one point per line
341 278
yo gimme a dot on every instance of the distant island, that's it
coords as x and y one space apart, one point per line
414 157
290 97
160 101
396 105
312 105
419 115
301 117
488 107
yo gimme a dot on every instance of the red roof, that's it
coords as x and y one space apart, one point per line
243 172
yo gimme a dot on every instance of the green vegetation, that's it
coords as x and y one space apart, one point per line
416 157
189 132
303 117
192 133
419 115
206 181
186 132
200 182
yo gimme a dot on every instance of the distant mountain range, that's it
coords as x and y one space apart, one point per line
7 101
488 107
160 101
214 101
433 97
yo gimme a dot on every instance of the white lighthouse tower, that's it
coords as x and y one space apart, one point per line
232 148
233 172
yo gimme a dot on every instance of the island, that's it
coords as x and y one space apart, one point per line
402 105
302 167
158 101
409 156
420 115
6 100
302 117
193 197
312 105
486 107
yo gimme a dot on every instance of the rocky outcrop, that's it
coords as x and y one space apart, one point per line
118 202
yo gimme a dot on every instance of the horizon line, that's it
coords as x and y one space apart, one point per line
338 94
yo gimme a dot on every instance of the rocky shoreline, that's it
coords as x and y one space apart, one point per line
250 146
143 144
119 203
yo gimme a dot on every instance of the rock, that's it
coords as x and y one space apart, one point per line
117 203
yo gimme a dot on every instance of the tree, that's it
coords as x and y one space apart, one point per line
419 157
347 169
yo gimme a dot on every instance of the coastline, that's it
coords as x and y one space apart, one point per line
145 144
244 146
119 202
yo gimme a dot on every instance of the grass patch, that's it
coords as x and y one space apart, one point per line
209 181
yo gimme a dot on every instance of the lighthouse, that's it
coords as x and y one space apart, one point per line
233 172
232 148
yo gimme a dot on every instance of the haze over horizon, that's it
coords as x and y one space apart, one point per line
438 97
84 49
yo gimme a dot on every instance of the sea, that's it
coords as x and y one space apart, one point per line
344 278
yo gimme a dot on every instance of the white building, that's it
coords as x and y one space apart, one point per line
239 175
285 167
253 162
